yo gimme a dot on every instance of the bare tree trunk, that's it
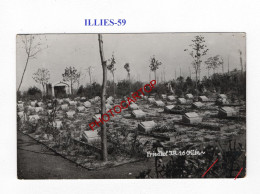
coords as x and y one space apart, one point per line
114 84
129 83
90 78
197 69
43 89
196 85
129 77
240 52
228 65
89 72
27 60
71 87
103 100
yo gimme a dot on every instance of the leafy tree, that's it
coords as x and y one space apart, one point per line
90 91
154 65
122 88
32 47
42 77
70 75
127 68
198 50
214 62
180 86
34 93
111 68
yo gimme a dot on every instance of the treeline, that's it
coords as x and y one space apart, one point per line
233 84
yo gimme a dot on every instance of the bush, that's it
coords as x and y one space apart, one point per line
90 91
34 93
160 88
123 88
19 95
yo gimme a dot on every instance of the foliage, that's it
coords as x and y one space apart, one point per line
127 68
187 166
42 77
233 83
111 65
214 62
71 75
34 93
160 88
90 91
198 50
111 68
19 95
124 87
124 141
154 65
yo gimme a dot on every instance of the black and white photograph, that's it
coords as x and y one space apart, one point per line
131 105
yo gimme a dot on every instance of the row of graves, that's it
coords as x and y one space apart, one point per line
186 123
174 122
180 120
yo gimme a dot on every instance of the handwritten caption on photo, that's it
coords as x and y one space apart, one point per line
175 153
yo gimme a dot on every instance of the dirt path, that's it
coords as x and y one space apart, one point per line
34 161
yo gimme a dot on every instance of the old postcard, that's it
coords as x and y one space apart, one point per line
155 105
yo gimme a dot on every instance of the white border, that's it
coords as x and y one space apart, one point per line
57 16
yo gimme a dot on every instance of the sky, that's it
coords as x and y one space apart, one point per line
82 50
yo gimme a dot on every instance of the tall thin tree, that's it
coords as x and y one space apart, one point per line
241 63
154 65
103 99
89 70
111 68
127 68
214 62
198 50
72 76
32 47
228 64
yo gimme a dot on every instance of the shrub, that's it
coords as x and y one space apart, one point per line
34 93
123 88
90 91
